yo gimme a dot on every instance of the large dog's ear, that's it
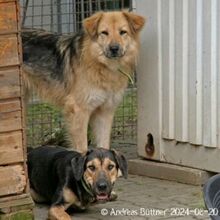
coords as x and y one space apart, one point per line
136 22
77 164
90 24
121 163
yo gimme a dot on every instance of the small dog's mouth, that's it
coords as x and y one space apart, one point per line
102 197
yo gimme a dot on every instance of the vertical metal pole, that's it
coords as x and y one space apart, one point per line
99 5
82 10
42 14
32 18
51 16
90 7
25 12
59 17
74 15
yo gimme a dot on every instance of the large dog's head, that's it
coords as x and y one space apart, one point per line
114 35
99 168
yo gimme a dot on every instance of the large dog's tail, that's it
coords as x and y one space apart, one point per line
29 149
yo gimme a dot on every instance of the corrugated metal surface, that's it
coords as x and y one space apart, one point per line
190 71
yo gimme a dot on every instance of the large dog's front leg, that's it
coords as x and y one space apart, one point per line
101 123
77 125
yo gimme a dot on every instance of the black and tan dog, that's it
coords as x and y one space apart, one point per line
67 178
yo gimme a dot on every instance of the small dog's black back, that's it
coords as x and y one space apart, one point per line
43 166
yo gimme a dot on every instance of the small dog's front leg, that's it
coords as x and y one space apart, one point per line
58 213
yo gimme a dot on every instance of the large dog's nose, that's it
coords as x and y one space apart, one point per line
114 48
102 186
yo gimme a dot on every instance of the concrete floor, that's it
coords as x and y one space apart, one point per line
144 198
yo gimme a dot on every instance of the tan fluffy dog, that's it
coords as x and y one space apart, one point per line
84 74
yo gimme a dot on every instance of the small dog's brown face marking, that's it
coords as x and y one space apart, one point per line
101 170
115 34
101 176
105 168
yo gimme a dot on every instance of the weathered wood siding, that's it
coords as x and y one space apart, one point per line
13 175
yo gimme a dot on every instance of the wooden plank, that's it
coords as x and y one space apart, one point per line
12 180
10 121
5 1
15 203
9 83
10 105
8 50
168 172
11 150
8 18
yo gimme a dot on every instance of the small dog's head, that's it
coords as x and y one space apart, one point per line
100 169
114 34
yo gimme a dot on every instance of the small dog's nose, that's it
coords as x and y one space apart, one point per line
114 48
102 186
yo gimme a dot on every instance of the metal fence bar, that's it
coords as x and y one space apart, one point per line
74 15
51 16
59 17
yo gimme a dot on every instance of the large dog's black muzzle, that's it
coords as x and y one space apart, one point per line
114 50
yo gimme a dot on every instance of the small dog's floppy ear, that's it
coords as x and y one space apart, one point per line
122 163
90 24
136 22
77 164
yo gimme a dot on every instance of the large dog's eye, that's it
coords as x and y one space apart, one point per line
110 167
104 33
123 32
92 168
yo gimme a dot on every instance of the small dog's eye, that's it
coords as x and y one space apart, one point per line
122 32
110 167
91 167
104 33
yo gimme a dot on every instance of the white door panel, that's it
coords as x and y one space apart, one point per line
179 82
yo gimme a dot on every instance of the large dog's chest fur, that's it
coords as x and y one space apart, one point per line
98 97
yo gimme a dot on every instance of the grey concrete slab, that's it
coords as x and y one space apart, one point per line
143 198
